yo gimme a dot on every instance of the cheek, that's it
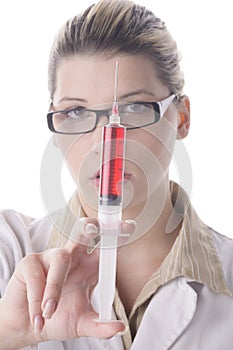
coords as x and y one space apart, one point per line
74 159
165 134
82 157
66 142
157 143
166 138
149 153
74 149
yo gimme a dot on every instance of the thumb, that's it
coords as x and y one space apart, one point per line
91 326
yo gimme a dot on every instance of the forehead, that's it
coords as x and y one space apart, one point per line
86 76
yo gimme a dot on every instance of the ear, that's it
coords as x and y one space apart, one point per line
183 107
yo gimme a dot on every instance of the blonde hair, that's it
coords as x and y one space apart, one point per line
113 27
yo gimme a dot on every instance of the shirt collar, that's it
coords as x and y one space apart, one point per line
193 254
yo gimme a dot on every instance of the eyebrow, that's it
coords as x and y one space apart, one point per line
67 98
137 92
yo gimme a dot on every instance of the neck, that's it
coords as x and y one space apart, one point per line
151 242
148 247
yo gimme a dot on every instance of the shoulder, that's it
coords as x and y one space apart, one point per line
32 234
224 247
19 236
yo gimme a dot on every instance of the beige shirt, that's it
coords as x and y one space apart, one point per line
193 255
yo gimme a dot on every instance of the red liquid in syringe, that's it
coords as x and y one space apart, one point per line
112 171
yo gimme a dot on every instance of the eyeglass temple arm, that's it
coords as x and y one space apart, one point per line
164 104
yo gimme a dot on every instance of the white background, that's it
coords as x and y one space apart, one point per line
203 31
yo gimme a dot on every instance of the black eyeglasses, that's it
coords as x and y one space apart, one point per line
133 115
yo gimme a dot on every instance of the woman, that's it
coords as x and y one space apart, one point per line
174 276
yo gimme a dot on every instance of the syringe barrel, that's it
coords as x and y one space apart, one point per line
112 168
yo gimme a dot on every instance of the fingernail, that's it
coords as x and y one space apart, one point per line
49 309
37 323
91 229
130 222
122 332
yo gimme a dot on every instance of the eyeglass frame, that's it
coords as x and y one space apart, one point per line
158 106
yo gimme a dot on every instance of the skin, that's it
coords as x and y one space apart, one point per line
63 279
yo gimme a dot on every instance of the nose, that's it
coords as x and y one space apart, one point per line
102 119
96 135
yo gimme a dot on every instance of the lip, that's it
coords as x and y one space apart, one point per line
127 176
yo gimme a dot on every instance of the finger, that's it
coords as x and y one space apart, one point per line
85 221
89 227
92 233
89 325
59 262
85 230
34 277
128 227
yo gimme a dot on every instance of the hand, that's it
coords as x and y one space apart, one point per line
48 296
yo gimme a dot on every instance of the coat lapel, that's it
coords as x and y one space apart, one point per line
167 316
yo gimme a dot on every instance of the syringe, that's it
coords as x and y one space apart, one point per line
110 205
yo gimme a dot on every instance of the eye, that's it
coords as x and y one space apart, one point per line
135 108
77 113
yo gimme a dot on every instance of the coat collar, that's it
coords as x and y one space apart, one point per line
168 322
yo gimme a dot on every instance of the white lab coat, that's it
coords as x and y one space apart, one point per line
182 315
